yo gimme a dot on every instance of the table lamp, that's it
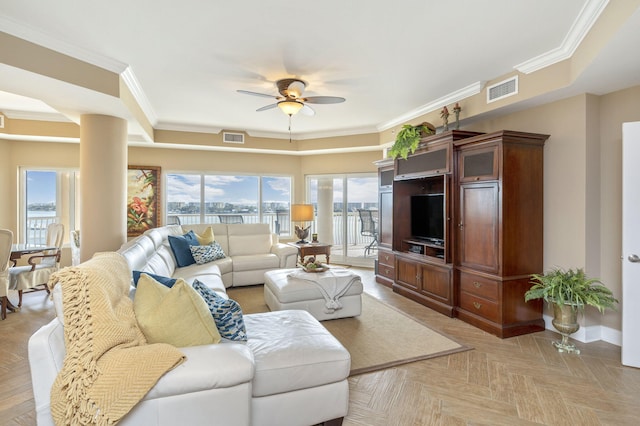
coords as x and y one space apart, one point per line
302 213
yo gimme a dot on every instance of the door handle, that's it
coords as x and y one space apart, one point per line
634 258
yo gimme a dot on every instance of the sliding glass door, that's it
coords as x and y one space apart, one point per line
337 199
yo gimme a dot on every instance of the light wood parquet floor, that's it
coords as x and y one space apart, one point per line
517 381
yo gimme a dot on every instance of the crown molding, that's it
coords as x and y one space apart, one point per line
584 21
35 116
132 83
48 41
465 92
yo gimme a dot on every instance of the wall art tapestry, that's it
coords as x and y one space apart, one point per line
143 199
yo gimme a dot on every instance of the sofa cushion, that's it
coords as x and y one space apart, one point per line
254 262
226 313
180 246
241 245
292 351
176 315
205 254
166 281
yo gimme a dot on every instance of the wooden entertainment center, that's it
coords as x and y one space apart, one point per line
460 227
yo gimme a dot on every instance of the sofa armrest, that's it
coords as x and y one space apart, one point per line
222 365
287 254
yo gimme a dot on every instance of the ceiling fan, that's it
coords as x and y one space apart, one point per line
291 100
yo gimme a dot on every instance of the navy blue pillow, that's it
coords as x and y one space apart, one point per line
169 282
180 247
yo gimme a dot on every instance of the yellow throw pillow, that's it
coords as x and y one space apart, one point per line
207 237
178 315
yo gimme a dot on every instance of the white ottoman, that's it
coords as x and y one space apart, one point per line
332 294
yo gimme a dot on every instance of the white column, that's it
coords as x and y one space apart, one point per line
325 210
103 188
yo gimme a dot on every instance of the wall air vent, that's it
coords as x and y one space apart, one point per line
228 137
1 121
503 89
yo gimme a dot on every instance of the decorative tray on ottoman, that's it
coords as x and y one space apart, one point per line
321 268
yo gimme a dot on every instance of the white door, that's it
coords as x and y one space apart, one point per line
630 244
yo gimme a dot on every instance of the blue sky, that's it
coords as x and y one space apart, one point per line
41 187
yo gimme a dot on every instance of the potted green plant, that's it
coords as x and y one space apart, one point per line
569 292
408 139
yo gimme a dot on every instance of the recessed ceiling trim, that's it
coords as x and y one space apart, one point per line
257 150
458 95
180 127
314 135
584 21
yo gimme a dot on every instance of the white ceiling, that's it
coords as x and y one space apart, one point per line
389 59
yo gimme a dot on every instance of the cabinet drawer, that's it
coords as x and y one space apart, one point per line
479 286
387 271
386 258
480 306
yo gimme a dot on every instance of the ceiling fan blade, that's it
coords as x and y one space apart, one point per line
307 110
323 99
264 108
263 95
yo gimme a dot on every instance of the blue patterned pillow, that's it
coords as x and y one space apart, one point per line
180 247
226 313
208 253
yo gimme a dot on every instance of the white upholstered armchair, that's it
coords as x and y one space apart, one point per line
40 266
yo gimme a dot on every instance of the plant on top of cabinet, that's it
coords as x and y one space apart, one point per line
408 139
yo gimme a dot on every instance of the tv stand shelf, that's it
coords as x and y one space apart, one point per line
425 248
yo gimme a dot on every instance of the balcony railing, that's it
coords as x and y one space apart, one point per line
37 229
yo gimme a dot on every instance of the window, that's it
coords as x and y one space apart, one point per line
49 196
205 198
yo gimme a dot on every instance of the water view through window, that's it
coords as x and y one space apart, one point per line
196 198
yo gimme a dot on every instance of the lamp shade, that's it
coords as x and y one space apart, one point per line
301 212
290 107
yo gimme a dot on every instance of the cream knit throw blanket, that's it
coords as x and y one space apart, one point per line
108 367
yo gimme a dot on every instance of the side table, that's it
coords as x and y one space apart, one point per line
309 249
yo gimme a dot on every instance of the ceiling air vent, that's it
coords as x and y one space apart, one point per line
503 89
228 137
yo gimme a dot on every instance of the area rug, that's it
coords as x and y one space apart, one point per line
381 337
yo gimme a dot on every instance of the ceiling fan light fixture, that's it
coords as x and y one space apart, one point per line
290 107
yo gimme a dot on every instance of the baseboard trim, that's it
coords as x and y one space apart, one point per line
591 333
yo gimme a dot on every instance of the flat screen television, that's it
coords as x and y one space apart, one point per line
427 218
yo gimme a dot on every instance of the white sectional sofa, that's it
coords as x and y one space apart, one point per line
251 250
290 371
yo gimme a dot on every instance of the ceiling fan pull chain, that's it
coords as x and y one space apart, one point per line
289 128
